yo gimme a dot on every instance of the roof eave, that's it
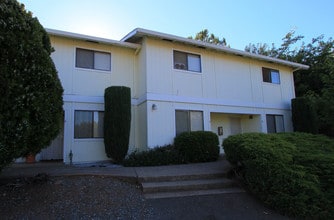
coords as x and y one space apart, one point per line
139 32
91 38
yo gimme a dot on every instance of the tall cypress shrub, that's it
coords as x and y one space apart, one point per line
304 115
117 122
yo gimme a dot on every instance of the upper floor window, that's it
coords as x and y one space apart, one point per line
270 75
90 59
88 124
187 61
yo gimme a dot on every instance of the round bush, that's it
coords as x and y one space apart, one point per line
197 146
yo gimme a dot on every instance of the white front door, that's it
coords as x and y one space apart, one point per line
235 124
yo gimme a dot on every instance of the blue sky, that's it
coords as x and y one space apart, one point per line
240 21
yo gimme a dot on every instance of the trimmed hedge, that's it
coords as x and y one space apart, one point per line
190 147
117 122
197 146
291 172
157 156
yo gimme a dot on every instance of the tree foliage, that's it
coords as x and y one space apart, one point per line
31 92
205 36
316 83
304 115
283 52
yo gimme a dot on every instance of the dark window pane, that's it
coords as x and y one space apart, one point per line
83 127
180 60
271 124
84 58
181 121
266 75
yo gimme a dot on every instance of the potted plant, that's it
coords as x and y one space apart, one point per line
30 158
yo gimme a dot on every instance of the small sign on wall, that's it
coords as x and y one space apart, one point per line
220 131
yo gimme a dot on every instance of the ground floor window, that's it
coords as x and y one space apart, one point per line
275 123
88 124
186 120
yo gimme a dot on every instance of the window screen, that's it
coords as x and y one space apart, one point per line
196 121
194 63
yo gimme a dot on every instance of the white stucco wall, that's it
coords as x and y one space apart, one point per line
84 90
227 84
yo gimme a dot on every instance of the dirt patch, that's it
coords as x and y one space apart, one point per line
72 197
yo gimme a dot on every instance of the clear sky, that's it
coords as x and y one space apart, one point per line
240 21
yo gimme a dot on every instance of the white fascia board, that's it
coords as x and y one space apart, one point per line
212 101
91 38
90 99
139 32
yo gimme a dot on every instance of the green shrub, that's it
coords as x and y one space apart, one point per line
117 122
158 156
197 146
189 147
292 172
304 115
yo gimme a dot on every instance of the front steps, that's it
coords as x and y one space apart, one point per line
203 179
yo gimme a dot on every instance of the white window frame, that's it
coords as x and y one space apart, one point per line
278 123
190 58
96 63
190 125
271 75
95 123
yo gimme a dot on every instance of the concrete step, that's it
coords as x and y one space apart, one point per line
187 180
181 177
186 185
193 193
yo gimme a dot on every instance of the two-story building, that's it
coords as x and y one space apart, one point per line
177 84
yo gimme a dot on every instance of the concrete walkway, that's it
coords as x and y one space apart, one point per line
107 169
218 206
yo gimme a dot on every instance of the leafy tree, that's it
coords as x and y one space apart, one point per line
316 83
31 92
283 52
304 115
209 38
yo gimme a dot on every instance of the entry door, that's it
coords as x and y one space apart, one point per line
235 125
55 150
